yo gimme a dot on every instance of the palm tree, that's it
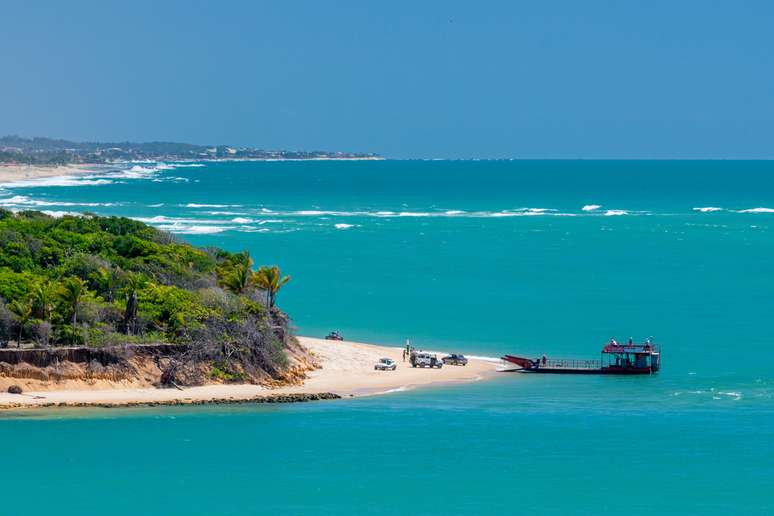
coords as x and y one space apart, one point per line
72 293
43 299
270 279
244 259
239 279
23 310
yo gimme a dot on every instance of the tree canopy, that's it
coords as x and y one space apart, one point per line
90 280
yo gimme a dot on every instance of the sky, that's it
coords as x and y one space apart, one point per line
405 79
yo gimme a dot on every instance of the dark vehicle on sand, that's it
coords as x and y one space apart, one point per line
455 359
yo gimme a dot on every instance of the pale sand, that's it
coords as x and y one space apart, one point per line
347 370
13 173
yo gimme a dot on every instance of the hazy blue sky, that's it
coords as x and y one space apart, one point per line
402 78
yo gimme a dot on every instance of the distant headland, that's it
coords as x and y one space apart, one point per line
49 151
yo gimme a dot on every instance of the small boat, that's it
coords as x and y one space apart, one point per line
615 359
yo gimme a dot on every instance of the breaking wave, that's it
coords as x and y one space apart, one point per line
591 207
707 209
757 210
23 200
184 229
196 205
59 181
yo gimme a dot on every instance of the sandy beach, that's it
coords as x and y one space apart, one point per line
347 370
13 173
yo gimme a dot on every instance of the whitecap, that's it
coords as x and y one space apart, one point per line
58 181
344 226
58 214
757 210
591 207
242 220
195 205
612 213
313 212
23 200
707 209
163 219
185 229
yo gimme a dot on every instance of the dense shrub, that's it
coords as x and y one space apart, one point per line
127 283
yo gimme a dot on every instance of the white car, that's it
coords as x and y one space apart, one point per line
385 364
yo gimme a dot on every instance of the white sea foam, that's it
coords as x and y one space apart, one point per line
163 219
193 230
144 170
521 212
344 226
170 179
23 200
195 205
757 210
613 213
402 388
252 229
57 213
58 181
707 209
591 207
242 220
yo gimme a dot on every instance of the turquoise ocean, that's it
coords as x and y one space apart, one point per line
484 257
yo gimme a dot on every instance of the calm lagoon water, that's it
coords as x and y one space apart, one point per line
524 257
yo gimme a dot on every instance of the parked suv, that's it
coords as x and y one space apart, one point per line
455 359
385 364
422 359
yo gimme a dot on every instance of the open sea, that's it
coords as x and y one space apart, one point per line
483 257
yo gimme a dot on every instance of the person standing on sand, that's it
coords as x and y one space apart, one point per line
404 355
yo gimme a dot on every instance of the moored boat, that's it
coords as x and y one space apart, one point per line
615 359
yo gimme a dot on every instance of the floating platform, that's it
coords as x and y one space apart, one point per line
615 358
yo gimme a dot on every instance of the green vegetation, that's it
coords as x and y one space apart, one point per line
97 281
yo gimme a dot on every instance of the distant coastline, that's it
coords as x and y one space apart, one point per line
17 150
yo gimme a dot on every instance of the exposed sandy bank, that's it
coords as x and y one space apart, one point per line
347 369
13 173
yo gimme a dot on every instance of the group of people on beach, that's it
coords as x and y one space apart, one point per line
407 349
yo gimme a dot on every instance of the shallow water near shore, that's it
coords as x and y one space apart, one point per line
483 257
